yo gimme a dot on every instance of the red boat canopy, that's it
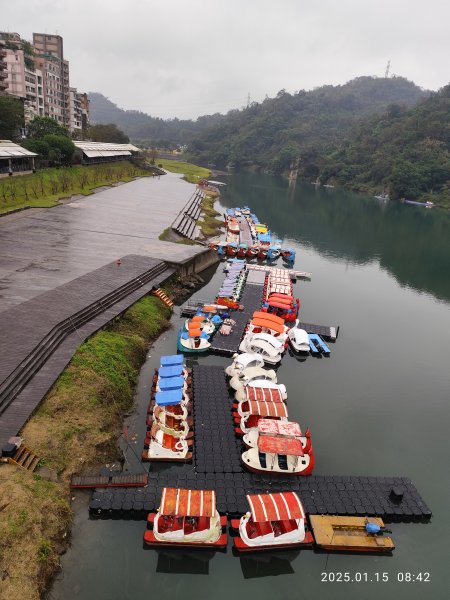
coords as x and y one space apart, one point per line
258 314
275 444
281 298
267 409
282 506
262 394
188 503
278 295
273 427
268 324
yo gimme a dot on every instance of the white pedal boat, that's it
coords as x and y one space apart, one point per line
278 454
242 362
252 374
281 428
269 347
274 520
165 447
298 339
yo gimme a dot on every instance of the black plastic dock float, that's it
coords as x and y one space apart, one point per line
328 332
217 466
251 301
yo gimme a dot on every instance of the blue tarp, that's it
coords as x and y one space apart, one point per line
171 383
169 398
172 371
172 359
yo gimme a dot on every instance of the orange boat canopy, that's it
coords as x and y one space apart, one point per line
281 298
282 506
195 332
280 445
188 503
273 427
268 324
258 314
267 409
197 318
262 394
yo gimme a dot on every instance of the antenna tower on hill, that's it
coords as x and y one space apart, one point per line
388 66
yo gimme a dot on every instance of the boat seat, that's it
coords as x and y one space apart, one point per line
262 460
287 526
282 462
264 528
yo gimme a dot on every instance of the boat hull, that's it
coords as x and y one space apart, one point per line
240 545
150 540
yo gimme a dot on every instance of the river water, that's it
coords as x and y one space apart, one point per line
379 405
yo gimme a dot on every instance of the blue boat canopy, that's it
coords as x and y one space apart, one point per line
264 237
170 398
171 383
233 244
172 359
172 371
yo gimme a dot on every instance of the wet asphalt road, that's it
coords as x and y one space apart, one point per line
42 249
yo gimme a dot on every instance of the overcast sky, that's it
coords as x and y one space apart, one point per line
185 58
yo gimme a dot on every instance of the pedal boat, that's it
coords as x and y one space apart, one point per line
260 391
281 428
263 325
269 347
167 384
198 322
165 447
254 411
249 374
278 455
172 403
252 251
299 339
192 341
288 254
186 518
242 362
274 521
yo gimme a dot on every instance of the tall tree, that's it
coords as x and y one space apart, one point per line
11 118
107 133
39 127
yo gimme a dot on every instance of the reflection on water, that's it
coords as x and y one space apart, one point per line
410 242
267 564
180 561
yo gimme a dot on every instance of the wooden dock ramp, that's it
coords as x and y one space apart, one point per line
348 534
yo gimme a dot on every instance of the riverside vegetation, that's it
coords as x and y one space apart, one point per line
77 425
47 186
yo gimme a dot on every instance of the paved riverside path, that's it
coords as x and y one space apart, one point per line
43 249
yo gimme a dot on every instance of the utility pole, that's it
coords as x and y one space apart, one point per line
248 100
388 66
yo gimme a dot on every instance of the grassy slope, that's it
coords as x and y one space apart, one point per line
45 187
192 173
77 424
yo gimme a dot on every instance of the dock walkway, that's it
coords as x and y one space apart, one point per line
217 466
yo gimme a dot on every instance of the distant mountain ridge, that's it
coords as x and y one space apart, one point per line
142 127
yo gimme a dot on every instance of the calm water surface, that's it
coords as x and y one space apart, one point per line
379 405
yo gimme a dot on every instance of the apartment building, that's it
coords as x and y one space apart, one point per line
50 49
38 74
3 69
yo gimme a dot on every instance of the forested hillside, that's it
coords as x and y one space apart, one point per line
403 152
142 128
304 125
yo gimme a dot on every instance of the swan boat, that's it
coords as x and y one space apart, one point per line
242 362
279 455
186 518
275 520
161 446
249 374
289 429
299 339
